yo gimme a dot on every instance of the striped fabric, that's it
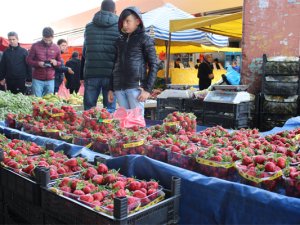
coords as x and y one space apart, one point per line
157 21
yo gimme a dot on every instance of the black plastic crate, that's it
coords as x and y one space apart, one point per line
237 110
280 67
224 121
191 105
269 121
279 107
162 113
23 187
70 211
281 86
27 212
175 103
52 220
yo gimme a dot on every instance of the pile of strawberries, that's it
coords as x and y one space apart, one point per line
180 122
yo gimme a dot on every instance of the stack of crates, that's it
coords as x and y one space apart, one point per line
227 115
279 98
168 105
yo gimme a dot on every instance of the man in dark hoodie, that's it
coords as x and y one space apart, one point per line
136 64
73 79
14 71
99 54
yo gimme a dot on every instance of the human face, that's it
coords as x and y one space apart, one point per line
209 58
48 40
13 41
130 24
63 47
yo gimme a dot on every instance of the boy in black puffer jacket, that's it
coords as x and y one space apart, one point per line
131 83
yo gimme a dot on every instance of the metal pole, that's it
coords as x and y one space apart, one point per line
168 60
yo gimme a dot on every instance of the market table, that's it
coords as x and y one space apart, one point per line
204 200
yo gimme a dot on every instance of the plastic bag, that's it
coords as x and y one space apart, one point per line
81 89
233 77
129 117
63 92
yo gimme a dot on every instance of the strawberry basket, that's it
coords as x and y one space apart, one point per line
177 121
258 177
156 150
291 178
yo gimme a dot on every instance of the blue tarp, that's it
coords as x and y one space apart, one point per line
204 200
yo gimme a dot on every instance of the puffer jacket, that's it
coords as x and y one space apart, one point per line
135 55
41 52
99 51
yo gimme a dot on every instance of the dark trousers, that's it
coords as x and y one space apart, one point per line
59 78
92 89
72 90
16 86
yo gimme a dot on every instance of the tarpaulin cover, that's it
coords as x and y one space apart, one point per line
204 200
227 25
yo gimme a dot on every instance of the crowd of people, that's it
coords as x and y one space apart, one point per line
118 61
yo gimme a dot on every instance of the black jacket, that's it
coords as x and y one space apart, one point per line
13 64
135 54
98 50
204 70
73 80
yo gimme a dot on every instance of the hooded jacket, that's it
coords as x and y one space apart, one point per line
13 64
98 50
73 80
135 53
41 52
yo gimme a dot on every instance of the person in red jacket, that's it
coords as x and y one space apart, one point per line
44 56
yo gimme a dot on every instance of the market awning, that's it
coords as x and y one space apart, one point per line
227 25
160 27
183 47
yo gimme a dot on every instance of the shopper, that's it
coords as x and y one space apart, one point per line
14 70
99 55
44 56
61 70
235 66
131 82
177 63
205 72
73 79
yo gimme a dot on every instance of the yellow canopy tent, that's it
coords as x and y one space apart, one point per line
227 25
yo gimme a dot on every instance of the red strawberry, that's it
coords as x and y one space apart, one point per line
87 198
270 167
65 182
78 192
260 159
87 190
152 184
110 178
102 168
134 185
119 185
121 193
281 162
90 173
98 179
66 189
61 170
98 196
71 162
139 194
246 160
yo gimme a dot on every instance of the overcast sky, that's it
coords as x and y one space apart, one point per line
28 17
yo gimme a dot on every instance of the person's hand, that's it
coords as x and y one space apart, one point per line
70 71
41 64
211 76
110 96
28 83
53 62
81 81
144 95
2 82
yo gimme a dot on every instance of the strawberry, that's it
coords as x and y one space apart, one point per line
86 190
281 162
98 196
71 162
102 168
270 167
90 173
78 192
260 159
152 185
139 194
246 160
119 185
87 198
66 189
66 181
98 179
121 193
134 185
109 178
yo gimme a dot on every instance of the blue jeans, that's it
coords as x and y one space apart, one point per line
59 78
129 99
41 88
92 89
